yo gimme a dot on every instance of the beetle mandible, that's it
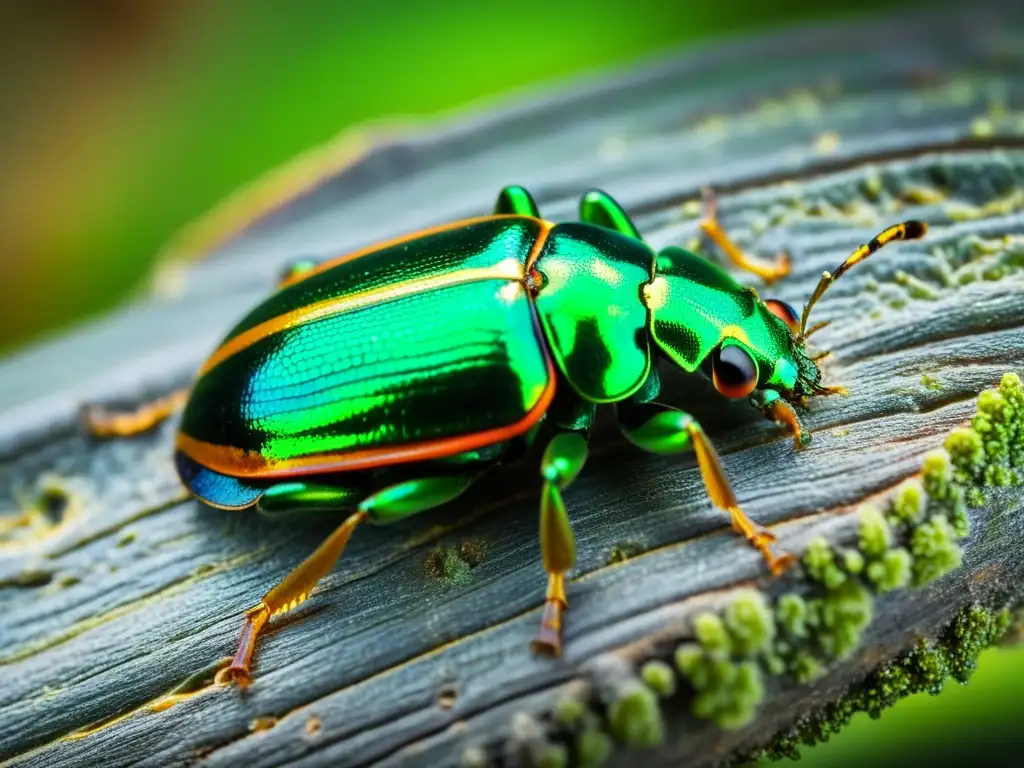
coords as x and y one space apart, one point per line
386 381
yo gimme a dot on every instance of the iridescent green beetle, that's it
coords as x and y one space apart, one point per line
386 381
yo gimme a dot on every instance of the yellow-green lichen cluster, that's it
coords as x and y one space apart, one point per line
909 540
583 731
724 665
925 668
722 670
990 452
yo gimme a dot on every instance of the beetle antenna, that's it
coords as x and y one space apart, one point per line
908 230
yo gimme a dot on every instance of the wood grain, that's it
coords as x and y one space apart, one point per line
116 589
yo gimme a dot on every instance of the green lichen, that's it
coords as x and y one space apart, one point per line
909 539
875 536
453 566
891 571
622 552
749 622
659 677
853 561
593 748
553 756
925 668
727 692
935 549
569 711
909 502
990 452
722 667
839 617
635 717
937 474
805 667
791 612
820 564
710 631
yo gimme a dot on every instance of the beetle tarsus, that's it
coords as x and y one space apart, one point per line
563 460
760 539
549 640
769 272
782 412
102 423
237 673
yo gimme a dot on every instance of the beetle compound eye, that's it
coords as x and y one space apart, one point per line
734 371
784 312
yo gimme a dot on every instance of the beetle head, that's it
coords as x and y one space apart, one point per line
702 318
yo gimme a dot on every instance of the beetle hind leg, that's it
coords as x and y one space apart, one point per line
709 226
517 201
385 506
102 423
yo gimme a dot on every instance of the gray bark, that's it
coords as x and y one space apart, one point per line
121 589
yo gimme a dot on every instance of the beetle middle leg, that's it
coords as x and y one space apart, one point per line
659 428
563 459
572 418
709 226
384 506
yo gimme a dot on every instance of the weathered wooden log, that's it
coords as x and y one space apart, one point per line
116 591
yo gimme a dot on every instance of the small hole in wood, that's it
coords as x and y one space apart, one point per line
447 695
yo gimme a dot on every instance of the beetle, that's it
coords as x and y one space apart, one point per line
384 382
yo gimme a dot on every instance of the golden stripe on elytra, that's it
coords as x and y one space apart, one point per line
509 269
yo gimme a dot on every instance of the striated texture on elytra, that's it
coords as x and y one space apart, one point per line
812 143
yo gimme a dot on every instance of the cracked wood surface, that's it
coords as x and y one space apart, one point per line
115 590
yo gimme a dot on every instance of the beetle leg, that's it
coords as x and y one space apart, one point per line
387 505
517 201
102 423
781 412
293 272
660 428
563 459
709 226
602 210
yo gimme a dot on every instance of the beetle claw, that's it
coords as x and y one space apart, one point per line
549 640
782 563
233 675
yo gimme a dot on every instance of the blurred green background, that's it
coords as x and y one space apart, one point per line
123 121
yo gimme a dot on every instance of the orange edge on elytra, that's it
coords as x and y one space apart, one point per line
409 236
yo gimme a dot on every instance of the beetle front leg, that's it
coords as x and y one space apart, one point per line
781 412
709 226
382 507
102 423
563 459
660 428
